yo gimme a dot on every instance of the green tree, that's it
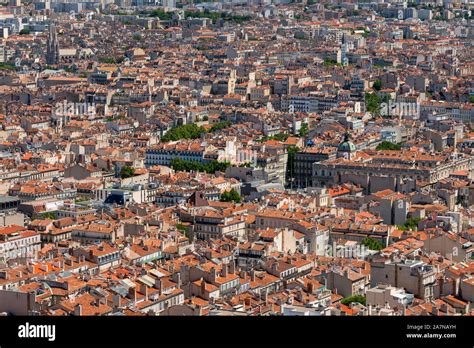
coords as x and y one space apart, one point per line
127 172
330 62
7 66
235 18
245 165
304 129
181 227
230 196
179 164
161 14
279 136
290 166
377 85
372 244
107 60
387 145
372 103
300 36
187 131
192 131
356 298
47 215
410 224
220 125
205 14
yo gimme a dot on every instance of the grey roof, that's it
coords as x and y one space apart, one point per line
7 199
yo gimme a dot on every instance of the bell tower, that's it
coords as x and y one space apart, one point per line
52 49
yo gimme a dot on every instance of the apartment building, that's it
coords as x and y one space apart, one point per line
415 276
16 242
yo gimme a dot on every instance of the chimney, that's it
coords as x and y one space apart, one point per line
252 275
203 286
144 290
78 310
224 270
232 267
132 294
184 273
178 280
310 287
158 283
213 273
299 296
116 300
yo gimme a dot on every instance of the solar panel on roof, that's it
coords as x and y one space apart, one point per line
119 289
65 274
157 273
128 283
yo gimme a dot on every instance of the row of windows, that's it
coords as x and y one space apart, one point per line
229 285
175 300
108 258
25 241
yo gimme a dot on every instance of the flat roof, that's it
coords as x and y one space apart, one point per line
8 199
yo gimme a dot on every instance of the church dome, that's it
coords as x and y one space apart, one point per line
346 145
